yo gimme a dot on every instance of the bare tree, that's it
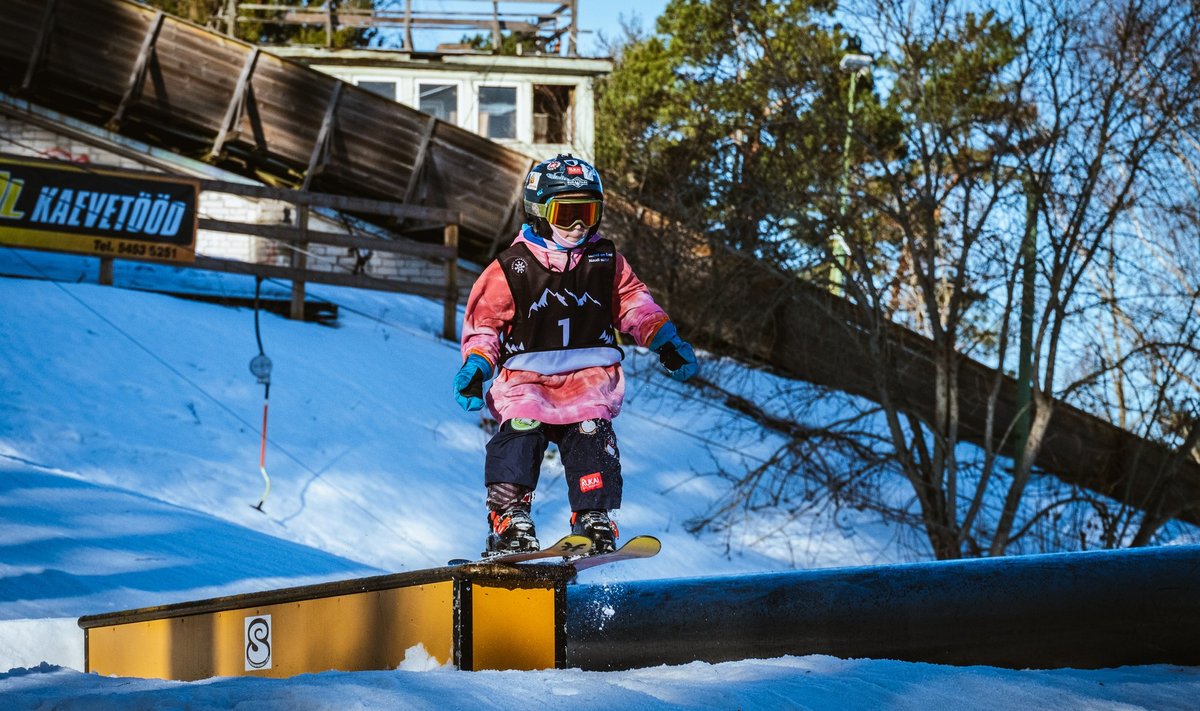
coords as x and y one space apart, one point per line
1009 175
1030 143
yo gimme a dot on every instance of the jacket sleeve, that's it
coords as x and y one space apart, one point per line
636 311
489 309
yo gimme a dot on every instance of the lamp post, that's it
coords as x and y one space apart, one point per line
858 65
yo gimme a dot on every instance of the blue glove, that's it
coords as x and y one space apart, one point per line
468 383
675 354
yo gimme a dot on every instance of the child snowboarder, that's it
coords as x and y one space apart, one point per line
543 318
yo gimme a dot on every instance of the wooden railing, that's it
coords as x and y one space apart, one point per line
299 236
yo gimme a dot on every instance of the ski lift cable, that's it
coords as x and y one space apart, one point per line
260 367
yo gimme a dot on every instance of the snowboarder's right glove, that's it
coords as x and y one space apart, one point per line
675 354
468 383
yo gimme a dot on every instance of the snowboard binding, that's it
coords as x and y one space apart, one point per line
512 531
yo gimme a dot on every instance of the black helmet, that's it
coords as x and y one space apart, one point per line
561 174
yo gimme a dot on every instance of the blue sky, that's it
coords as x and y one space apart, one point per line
595 17
604 16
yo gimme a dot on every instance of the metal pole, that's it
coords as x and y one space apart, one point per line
573 34
450 311
497 40
408 40
260 367
329 7
856 64
299 261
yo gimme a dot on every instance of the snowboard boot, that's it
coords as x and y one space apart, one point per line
512 531
597 526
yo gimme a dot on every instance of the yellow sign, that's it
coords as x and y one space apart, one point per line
46 204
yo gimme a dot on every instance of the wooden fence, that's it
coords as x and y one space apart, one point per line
300 236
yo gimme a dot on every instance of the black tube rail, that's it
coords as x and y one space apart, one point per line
1083 610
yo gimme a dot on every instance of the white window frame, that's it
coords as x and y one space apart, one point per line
460 91
573 130
358 80
524 119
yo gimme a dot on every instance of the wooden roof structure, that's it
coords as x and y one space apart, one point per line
547 22
174 84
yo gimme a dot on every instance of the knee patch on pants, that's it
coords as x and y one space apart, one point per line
593 465
514 454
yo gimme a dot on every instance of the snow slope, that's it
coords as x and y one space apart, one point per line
129 444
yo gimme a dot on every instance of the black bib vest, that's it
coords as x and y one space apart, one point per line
563 320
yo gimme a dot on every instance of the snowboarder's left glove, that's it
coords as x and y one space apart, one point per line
675 354
468 383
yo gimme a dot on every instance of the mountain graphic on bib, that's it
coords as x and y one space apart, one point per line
568 300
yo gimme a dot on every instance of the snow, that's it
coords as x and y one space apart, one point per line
129 445
787 683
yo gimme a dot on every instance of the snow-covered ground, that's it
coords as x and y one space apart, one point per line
129 448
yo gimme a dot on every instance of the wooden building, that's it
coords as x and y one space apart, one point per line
539 105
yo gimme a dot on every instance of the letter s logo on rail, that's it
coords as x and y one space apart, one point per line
258 642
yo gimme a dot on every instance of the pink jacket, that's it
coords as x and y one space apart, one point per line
569 397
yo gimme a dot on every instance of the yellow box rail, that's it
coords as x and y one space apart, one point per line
474 616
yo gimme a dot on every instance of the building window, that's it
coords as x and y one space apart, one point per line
383 88
553 113
439 101
498 111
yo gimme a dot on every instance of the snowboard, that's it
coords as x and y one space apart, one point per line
636 547
574 552
564 547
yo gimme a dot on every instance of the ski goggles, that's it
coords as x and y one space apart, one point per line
568 212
